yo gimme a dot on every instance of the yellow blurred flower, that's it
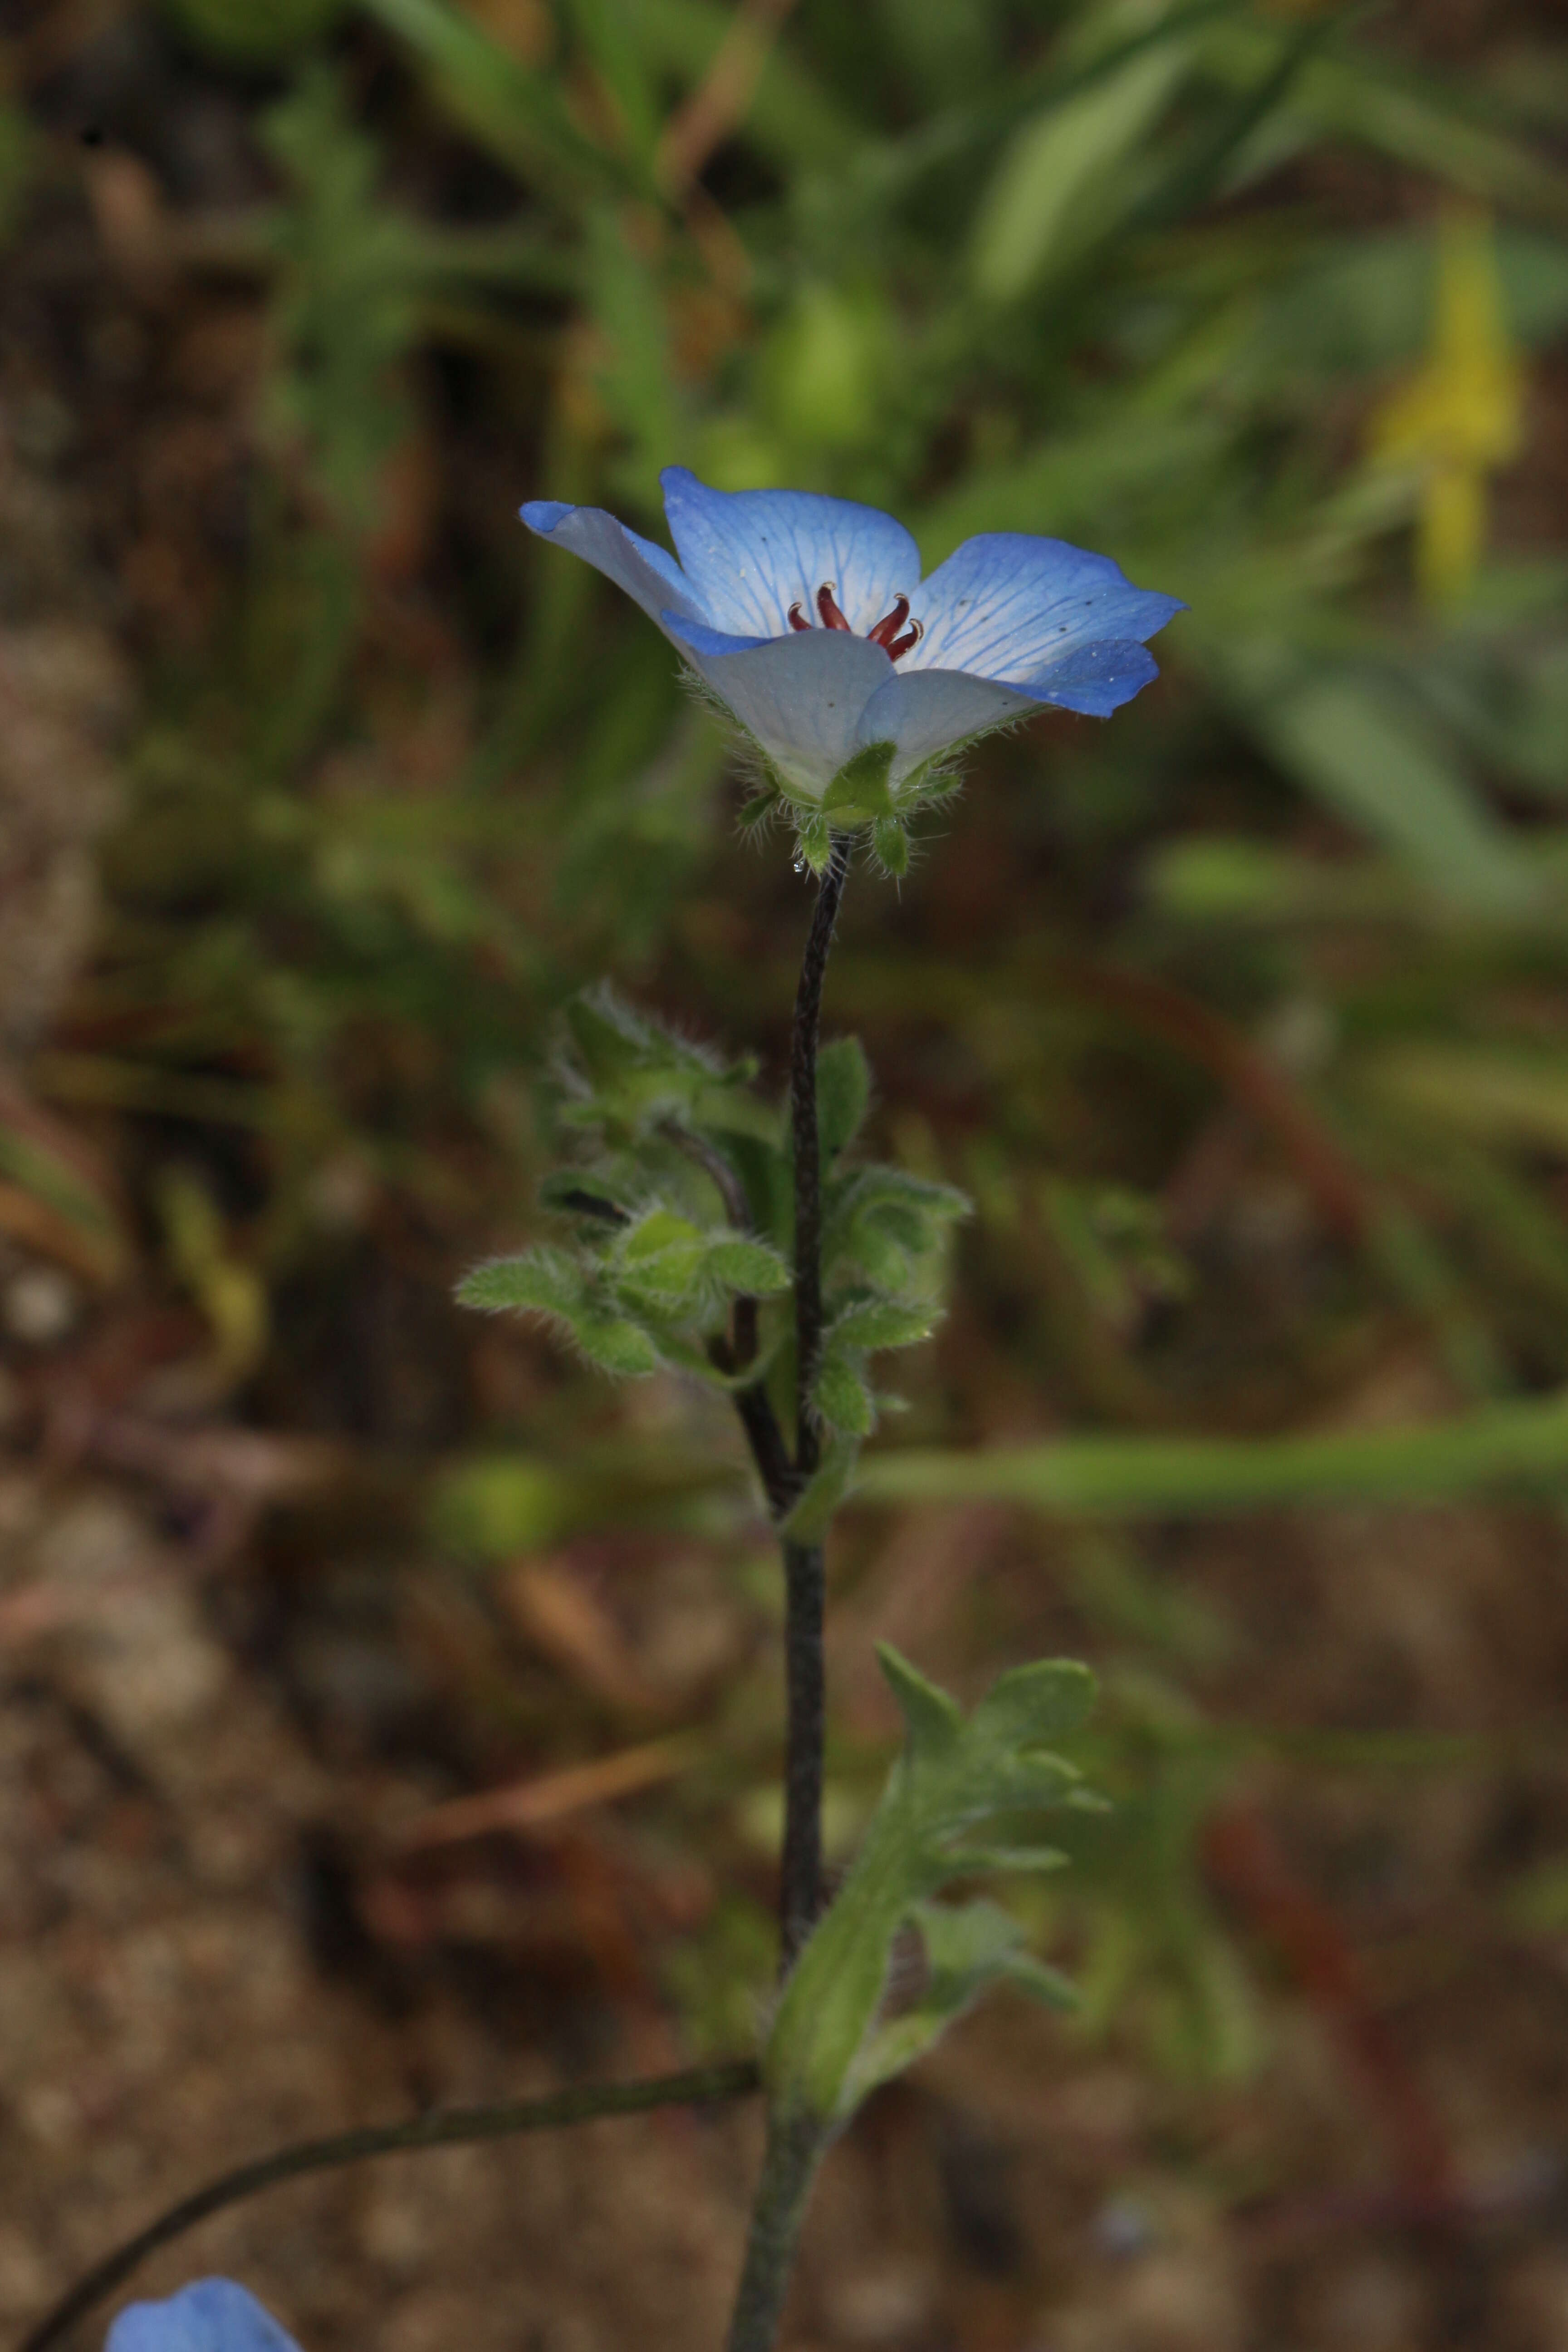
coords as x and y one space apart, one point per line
1462 415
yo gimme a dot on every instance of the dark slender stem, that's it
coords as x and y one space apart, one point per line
794 2151
805 1694
800 1873
769 1451
807 1152
699 2086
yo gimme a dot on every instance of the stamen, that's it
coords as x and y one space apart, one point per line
888 627
911 637
798 619
832 618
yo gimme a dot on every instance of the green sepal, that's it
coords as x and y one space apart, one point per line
858 793
815 836
891 845
757 810
843 1094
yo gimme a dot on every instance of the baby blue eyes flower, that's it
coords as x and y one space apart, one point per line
808 618
213 2315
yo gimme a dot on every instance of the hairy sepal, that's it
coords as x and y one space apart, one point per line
859 794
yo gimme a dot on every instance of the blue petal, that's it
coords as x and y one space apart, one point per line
750 554
1005 605
925 712
701 639
647 571
213 2315
1097 680
801 697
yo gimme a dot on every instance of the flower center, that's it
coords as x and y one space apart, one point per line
889 632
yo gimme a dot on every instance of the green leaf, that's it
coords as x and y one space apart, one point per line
545 1280
747 1266
614 1345
841 1396
969 1946
660 1230
1037 1702
843 1094
981 1860
828 2046
932 1721
811 1513
878 1323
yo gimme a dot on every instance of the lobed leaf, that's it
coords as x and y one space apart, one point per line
829 2043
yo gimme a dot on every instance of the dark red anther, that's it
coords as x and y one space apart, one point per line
888 627
911 637
798 619
832 618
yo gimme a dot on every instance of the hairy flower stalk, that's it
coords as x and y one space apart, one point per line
800 1873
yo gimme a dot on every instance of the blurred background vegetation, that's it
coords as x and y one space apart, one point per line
1244 1021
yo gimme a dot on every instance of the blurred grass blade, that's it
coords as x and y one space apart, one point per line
1065 176
610 32
513 111
1201 170
1407 116
1518 1447
635 379
1351 743
47 1203
790 117
1480 1091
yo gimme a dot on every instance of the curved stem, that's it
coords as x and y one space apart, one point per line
698 2085
800 1875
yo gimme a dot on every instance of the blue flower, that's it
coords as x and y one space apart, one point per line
808 618
212 2315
